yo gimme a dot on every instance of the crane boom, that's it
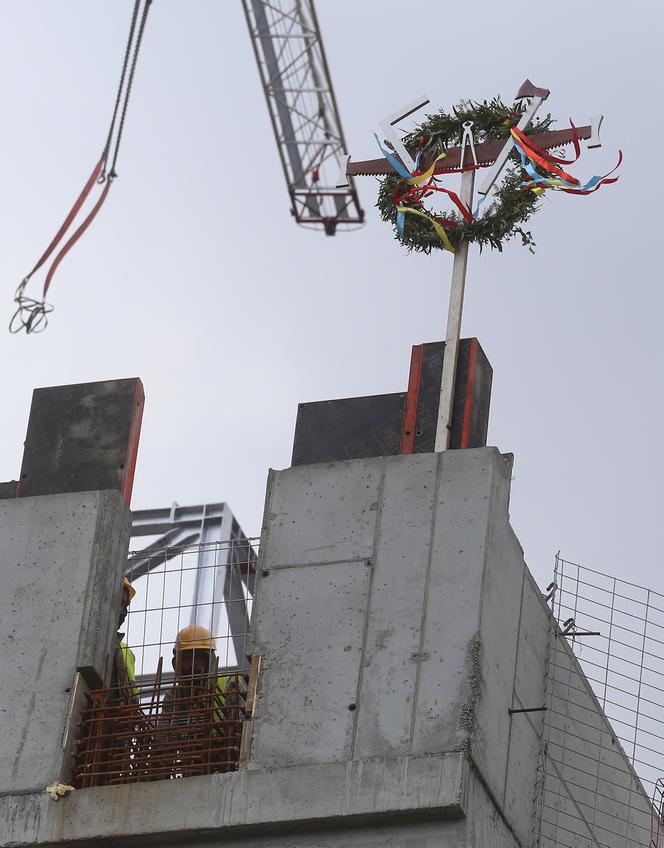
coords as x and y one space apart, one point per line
296 80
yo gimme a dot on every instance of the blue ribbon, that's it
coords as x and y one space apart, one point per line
394 162
536 177
401 223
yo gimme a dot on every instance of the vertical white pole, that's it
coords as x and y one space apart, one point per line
454 315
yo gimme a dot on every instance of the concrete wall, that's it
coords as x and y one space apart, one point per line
399 630
389 619
61 560
435 801
369 617
396 616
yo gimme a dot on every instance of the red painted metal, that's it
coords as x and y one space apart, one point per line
127 482
528 89
412 398
468 401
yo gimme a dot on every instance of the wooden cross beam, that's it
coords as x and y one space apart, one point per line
493 155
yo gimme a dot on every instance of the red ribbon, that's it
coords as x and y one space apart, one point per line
415 194
527 143
606 179
545 162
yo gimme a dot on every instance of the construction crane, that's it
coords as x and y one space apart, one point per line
296 80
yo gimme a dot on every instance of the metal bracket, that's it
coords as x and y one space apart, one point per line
528 710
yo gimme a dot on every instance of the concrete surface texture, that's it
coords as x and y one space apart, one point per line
61 557
399 631
388 619
331 804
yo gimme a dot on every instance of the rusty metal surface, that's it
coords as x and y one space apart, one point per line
160 732
486 153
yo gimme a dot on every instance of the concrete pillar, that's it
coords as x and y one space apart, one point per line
62 558
388 617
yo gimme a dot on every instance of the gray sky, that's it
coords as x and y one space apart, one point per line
195 278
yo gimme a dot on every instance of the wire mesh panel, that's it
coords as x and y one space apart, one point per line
603 754
183 683
207 584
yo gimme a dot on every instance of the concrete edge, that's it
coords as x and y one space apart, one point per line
263 798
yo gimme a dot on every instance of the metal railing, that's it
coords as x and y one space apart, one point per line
604 725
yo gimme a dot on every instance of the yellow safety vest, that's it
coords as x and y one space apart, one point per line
130 665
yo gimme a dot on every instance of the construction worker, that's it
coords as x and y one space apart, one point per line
124 661
195 664
202 705
115 751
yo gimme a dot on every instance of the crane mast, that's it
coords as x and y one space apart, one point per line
296 80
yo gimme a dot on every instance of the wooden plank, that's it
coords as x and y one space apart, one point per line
250 706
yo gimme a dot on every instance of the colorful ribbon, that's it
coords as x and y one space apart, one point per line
532 155
420 184
440 231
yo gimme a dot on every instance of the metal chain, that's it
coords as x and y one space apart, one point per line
130 40
139 38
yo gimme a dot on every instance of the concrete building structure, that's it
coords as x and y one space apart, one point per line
406 694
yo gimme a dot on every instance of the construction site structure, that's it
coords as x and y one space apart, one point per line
303 110
400 689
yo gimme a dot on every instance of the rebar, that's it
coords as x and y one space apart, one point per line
192 727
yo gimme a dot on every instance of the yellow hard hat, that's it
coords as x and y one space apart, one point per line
194 637
127 585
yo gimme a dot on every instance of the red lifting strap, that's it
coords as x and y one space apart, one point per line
94 176
79 232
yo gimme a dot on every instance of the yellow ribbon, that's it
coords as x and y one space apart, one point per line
426 176
437 227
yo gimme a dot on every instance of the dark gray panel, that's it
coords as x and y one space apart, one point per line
348 428
82 438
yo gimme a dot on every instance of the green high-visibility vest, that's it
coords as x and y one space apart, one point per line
130 665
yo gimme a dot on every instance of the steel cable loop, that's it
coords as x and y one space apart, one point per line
30 314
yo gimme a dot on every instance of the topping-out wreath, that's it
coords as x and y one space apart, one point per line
402 197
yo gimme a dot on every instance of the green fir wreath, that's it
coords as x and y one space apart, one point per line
511 206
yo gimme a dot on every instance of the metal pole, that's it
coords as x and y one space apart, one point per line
454 315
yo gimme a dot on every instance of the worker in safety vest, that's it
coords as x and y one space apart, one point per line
202 709
195 664
124 661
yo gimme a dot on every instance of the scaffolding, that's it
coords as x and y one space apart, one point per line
296 81
602 756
